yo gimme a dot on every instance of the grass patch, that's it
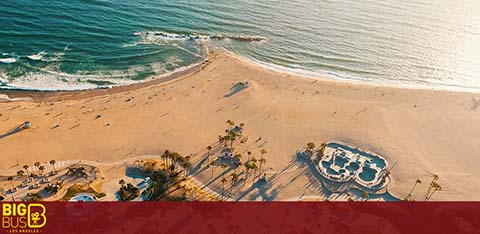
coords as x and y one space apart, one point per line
75 189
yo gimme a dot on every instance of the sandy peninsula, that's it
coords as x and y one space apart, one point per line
420 131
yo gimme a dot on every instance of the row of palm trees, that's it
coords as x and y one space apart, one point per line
433 187
252 165
38 166
311 149
232 133
172 160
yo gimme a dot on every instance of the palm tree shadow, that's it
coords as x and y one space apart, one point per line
198 167
270 189
314 177
221 175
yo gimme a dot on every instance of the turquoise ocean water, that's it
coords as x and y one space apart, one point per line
79 44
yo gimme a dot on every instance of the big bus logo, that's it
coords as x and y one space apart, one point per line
17 216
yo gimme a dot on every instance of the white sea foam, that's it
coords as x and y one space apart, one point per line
8 60
49 82
159 36
37 56
57 81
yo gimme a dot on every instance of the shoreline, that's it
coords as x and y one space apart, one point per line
40 95
36 95
326 76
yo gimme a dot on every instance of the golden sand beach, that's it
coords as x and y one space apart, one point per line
421 131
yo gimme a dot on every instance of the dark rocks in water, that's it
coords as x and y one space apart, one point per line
247 39
166 35
238 38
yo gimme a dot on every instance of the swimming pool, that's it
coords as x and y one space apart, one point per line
84 197
342 163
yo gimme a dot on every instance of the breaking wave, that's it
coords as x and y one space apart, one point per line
8 60
37 56
157 36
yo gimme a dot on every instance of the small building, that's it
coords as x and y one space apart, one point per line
226 153
27 125
227 156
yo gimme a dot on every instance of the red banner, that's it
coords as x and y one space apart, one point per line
240 217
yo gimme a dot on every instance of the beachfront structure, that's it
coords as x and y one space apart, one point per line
83 197
341 163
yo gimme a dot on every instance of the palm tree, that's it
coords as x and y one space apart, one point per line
418 181
223 186
436 187
25 167
241 125
37 164
10 178
232 138
234 178
209 148
20 173
222 140
174 158
230 124
41 168
121 183
435 178
253 164
249 153
52 162
187 166
224 167
310 147
247 169
164 156
321 151
365 195
263 152
261 162
212 164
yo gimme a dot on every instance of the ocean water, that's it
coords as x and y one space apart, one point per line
80 44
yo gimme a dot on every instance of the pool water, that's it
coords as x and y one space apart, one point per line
353 166
340 161
367 174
